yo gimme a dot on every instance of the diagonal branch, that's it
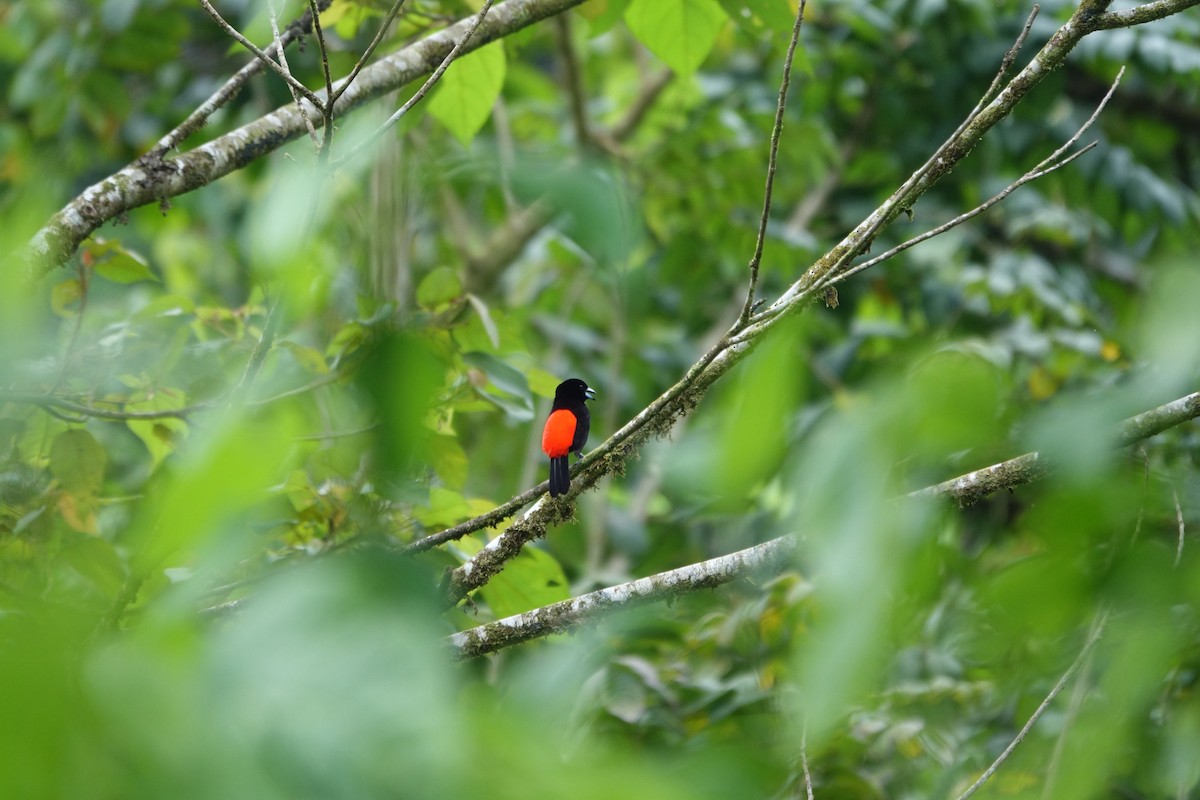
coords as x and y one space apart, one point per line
198 118
150 181
770 556
283 63
366 56
776 554
430 82
1056 160
954 149
275 66
1093 637
772 159
1138 15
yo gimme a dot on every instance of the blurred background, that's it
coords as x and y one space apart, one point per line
259 391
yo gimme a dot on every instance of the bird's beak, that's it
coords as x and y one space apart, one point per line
590 394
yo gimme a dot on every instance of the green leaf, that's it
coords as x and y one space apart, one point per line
468 90
96 560
680 32
439 287
531 580
64 295
753 15
449 461
485 319
112 261
541 382
77 460
501 375
159 435
602 14
307 357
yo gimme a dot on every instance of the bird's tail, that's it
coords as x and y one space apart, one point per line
560 476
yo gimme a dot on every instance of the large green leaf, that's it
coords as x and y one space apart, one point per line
466 93
77 460
680 32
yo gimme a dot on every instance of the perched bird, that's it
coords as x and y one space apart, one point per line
566 431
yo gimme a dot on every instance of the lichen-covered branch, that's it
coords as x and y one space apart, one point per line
776 554
559 617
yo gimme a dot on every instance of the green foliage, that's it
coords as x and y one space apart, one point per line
261 391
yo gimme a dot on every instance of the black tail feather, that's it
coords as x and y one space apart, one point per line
560 476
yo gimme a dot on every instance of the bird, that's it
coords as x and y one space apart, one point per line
566 430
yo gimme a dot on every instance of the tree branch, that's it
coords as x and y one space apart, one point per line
772 159
430 82
149 181
1139 15
560 617
296 86
1093 637
198 118
776 554
1056 160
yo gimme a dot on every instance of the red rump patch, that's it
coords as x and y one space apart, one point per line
558 433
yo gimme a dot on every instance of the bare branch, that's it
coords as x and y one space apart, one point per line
559 617
150 180
430 82
366 56
954 149
1050 163
1093 637
294 84
772 159
327 108
1157 420
197 119
312 131
1138 15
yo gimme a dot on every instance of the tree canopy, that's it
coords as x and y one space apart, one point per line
890 308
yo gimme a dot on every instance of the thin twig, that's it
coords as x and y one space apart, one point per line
1050 163
961 218
320 437
218 99
312 131
573 78
327 107
49 403
772 159
1094 637
1074 704
1179 521
808 785
1006 64
307 93
362 60
430 82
